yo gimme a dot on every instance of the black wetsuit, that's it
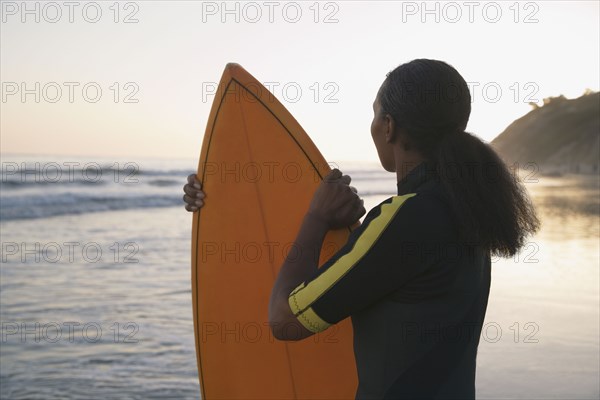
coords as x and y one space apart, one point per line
417 296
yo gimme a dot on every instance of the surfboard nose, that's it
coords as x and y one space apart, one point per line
232 66
234 70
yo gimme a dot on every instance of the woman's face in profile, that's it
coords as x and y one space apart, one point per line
380 127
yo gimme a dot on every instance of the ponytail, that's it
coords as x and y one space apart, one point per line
431 102
491 205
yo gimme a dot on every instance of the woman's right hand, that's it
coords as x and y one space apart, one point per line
335 202
194 196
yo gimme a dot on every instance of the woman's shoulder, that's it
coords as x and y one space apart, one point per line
427 214
427 211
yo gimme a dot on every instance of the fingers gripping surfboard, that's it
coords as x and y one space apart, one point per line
259 170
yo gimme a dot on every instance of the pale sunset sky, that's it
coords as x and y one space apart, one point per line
324 61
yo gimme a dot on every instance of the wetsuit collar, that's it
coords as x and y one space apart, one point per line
420 174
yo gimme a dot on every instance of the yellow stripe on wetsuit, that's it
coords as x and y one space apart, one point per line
303 296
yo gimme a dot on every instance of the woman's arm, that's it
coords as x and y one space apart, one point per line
334 205
296 269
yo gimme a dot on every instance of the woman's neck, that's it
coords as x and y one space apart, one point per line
406 161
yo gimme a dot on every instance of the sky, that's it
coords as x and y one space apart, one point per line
135 79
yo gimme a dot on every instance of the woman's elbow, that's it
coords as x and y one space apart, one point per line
279 324
276 331
290 330
285 326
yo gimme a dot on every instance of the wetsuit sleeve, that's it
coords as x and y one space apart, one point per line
398 239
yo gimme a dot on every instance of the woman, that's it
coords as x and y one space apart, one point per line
415 276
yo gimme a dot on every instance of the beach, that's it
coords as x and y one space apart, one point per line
96 294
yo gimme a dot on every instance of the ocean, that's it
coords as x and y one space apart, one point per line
95 288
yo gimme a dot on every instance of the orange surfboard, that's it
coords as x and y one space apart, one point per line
259 170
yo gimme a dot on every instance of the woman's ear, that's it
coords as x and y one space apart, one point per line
390 132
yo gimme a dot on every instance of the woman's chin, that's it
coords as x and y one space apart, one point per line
389 168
